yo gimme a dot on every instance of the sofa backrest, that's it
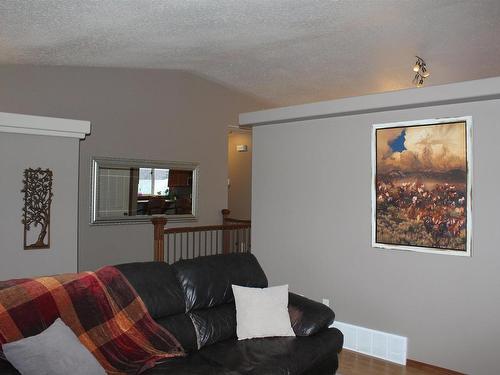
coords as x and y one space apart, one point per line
206 284
193 298
157 285
206 281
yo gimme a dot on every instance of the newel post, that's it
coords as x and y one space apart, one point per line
159 237
225 233
225 214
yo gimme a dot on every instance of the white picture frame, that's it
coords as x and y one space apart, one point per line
446 224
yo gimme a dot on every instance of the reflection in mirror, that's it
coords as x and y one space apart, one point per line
126 191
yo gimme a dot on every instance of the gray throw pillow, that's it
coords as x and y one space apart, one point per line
55 351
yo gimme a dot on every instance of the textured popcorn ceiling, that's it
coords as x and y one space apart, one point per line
284 51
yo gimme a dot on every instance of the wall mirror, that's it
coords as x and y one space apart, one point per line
130 191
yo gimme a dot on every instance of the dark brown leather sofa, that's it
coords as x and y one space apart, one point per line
193 299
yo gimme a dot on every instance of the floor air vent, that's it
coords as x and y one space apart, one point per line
374 343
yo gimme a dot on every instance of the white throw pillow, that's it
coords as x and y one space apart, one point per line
262 312
55 351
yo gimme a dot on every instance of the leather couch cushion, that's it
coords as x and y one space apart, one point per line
307 316
278 355
206 281
156 284
214 324
181 327
192 365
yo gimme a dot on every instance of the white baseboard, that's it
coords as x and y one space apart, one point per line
378 344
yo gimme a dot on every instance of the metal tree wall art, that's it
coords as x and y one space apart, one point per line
36 212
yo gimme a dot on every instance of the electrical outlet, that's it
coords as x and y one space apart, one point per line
326 302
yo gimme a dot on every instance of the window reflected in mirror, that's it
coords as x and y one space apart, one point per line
131 191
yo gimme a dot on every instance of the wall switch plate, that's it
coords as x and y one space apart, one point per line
326 302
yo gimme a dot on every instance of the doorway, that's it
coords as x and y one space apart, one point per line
239 157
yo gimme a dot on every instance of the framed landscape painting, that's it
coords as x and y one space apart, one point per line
421 186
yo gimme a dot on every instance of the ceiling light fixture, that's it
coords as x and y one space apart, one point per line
421 70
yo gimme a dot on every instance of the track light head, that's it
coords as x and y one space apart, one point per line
420 68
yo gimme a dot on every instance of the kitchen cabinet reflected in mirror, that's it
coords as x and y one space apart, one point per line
132 190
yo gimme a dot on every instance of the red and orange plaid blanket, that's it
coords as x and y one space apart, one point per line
101 307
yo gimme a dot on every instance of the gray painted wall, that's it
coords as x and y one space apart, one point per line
311 229
17 153
145 114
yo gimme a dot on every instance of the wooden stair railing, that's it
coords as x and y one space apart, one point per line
232 236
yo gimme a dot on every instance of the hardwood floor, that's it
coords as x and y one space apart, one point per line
352 363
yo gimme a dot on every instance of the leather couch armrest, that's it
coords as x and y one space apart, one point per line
307 316
7 369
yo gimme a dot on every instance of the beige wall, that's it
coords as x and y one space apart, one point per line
240 175
311 228
145 114
17 153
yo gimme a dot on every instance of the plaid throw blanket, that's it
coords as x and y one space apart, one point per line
101 308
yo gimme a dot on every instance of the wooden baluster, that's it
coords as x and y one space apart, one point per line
238 241
225 214
199 244
226 244
217 247
211 242
205 252
175 247
187 239
159 223
167 243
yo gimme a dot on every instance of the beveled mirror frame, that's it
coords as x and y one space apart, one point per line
101 162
